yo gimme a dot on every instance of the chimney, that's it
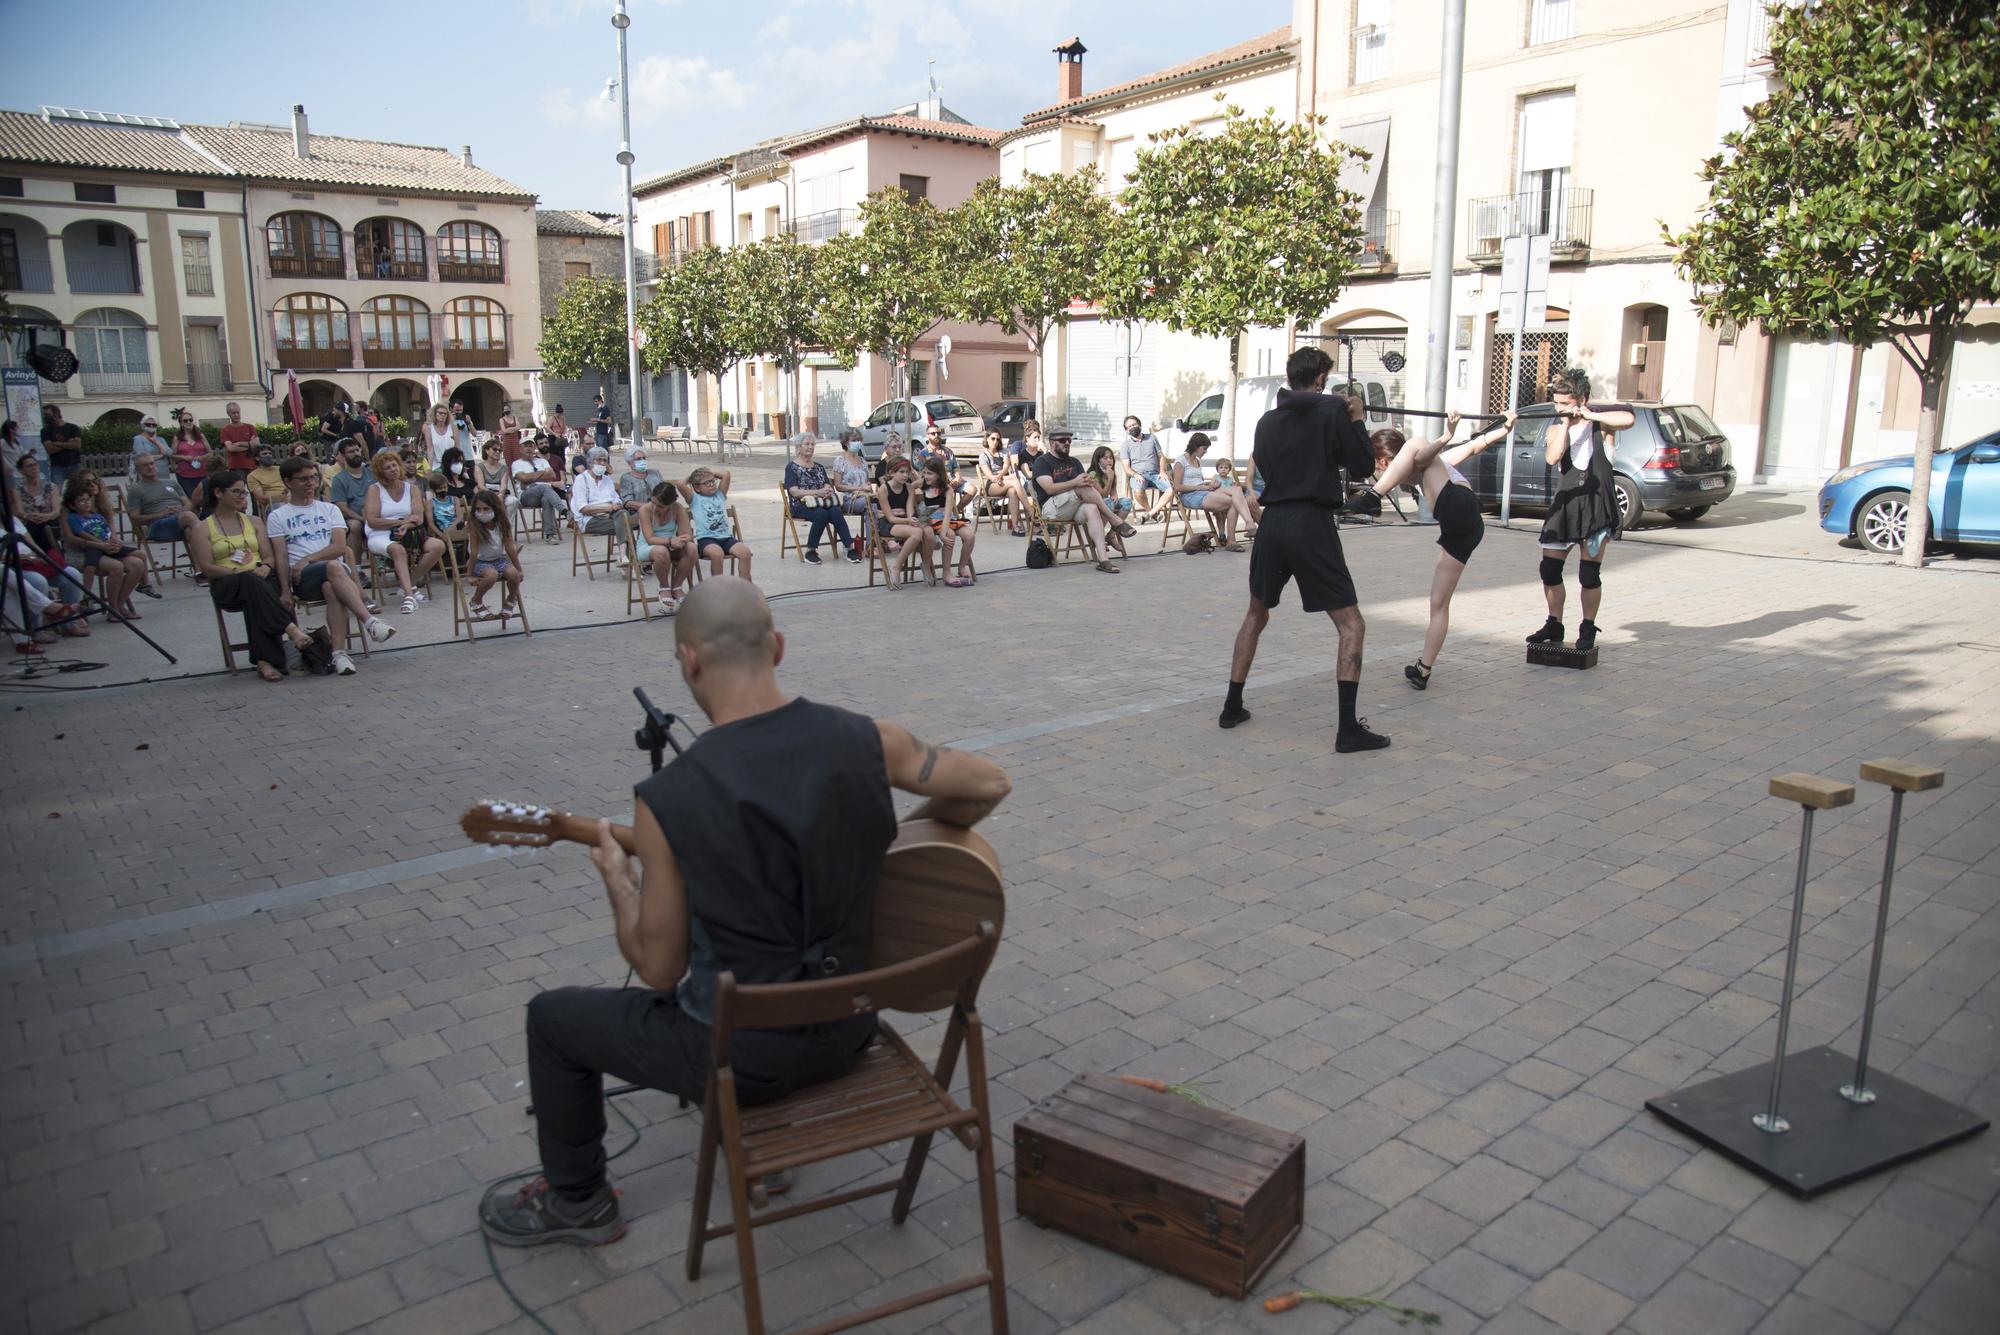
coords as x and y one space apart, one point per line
302 142
465 155
1069 70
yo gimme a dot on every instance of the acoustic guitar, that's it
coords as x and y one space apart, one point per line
937 884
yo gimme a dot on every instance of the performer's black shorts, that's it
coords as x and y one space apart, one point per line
1302 542
1460 525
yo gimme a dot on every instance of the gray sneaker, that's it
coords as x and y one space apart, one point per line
534 1215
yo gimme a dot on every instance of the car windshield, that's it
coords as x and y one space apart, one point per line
1206 415
1695 423
949 408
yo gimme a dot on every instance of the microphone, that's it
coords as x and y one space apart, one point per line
656 734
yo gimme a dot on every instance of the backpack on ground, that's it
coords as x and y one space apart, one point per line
1039 555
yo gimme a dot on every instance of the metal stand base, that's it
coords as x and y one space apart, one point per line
1562 655
1831 1141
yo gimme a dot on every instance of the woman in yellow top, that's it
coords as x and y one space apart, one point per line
231 549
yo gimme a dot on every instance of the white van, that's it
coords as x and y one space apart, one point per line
1255 396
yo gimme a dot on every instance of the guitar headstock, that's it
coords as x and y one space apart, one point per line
512 824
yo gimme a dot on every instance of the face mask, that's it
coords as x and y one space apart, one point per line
1133 432
598 470
453 470
483 516
641 466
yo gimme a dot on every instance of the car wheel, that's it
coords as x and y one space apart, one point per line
1884 522
1630 507
1689 514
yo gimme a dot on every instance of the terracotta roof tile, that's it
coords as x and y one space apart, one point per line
575 222
1270 43
265 153
952 131
27 136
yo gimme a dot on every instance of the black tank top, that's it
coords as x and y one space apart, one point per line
779 823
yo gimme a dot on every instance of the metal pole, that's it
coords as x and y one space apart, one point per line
620 20
1444 203
1768 1120
1858 1092
1514 380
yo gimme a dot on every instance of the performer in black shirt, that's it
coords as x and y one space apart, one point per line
758 851
1302 446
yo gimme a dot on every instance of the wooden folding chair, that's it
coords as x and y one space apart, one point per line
788 528
729 561
635 583
579 552
934 937
1064 536
462 616
1184 517
230 648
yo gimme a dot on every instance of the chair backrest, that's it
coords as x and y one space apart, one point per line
912 985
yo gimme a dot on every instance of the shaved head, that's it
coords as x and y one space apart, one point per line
727 622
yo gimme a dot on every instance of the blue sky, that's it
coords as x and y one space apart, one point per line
521 80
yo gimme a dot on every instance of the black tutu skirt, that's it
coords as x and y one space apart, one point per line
1583 507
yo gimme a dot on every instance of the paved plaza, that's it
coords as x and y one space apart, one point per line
263 1004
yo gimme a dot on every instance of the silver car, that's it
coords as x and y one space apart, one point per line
963 426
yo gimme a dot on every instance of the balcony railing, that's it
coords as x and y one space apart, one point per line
468 356
1370 53
1551 21
1561 215
829 222
336 357
470 271
1757 47
102 275
1380 232
29 273
117 382
415 270
373 356
308 266
208 378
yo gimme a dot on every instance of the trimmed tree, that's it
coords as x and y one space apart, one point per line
894 282
693 320
587 330
779 300
1246 226
1862 199
1039 246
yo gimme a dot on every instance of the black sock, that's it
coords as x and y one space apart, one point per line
1349 692
1234 700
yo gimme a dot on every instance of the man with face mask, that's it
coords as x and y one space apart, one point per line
265 483
594 502
1144 465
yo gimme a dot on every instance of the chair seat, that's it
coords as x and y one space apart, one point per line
888 1097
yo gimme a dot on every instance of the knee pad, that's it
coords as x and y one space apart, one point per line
1590 574
1552 571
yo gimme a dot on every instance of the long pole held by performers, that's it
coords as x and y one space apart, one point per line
1524 292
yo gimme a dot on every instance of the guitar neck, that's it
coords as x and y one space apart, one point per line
583 830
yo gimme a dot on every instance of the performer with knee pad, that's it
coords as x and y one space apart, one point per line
1584 510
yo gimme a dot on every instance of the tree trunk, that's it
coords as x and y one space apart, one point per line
721 447
1228 429
1930 422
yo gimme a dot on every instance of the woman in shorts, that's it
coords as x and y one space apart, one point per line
1196 487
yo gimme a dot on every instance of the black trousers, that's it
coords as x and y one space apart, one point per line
263 615
578 1035
819 516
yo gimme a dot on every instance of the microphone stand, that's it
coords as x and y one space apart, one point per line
653 737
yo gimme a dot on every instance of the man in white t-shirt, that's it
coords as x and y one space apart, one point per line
594 502
309 540
535 484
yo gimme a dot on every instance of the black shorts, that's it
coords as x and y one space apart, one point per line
1302 542
310 583
1460 525
727 544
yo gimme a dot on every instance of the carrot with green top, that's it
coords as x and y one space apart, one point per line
1396 1312
1191 1090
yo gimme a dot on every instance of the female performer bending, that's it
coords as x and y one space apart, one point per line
1583 512
1460 526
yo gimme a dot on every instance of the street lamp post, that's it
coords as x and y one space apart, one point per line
620 20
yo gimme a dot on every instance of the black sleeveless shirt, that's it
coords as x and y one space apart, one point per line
779 823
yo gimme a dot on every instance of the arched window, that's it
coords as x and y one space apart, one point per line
389 248
397 324
111 351
310 323
469 252
304 245
475 332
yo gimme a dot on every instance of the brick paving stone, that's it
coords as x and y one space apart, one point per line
1577 1303
1631 1257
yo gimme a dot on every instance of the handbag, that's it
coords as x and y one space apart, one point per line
1039 555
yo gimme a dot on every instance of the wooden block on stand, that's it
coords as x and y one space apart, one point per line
1199 1193
1562 655
1809 790
1902 775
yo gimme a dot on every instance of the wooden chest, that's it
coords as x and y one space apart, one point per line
1197 1192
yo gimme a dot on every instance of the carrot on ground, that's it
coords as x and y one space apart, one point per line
1145 1082
1284 1302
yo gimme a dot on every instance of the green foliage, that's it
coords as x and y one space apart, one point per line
692 320
896 280
778 299
1245 226
1038 247
587 329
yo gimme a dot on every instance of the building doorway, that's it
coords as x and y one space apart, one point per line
1642 352
1544 352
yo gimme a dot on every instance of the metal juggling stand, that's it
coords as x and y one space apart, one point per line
1846 1124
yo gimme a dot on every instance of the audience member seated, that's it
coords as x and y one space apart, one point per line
998 480
635 487
813 497
664 540
495 557
309 550
1069 497
38 503
231 549
535 485
267 486
593 499
850 476
398 527
89 543
157 508
706 492
1144 466
901 524
1196 487
456 473
892 450
1225 475
940 503
149 440
347 491
216 463
1023 452
444 516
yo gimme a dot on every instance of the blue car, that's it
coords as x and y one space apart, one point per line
1871 502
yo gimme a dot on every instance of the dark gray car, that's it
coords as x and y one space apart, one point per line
1006 417
1673 458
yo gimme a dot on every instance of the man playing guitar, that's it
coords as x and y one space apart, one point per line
757 854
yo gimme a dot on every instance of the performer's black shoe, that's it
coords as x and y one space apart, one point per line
1418 675
1586 636
1233 715
1550 633
1358 738
1366 502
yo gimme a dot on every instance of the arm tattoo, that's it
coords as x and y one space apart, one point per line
930 763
